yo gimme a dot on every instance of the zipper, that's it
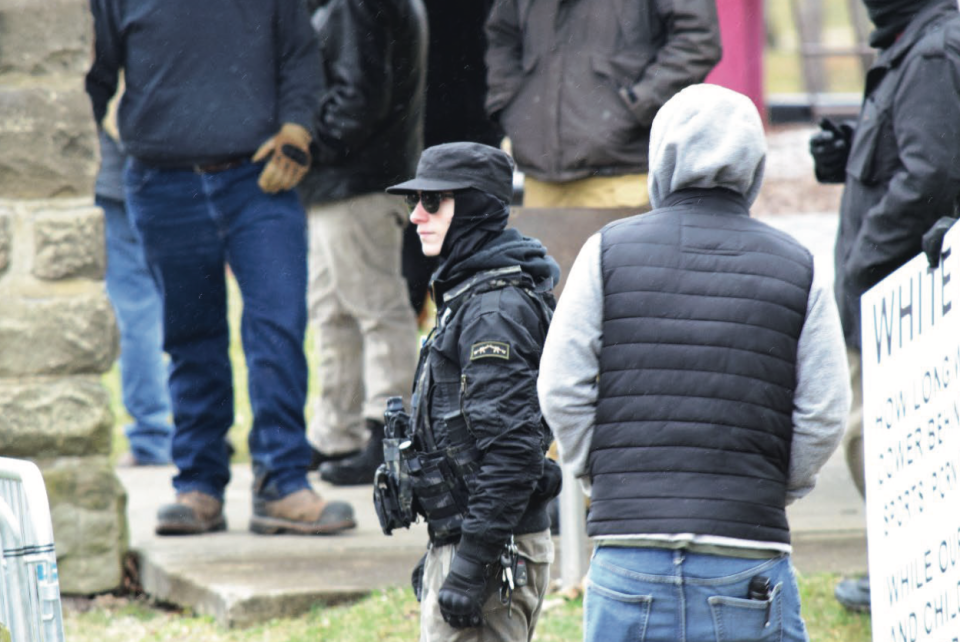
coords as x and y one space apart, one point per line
463 412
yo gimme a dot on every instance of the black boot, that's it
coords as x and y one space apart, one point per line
317 457
357 470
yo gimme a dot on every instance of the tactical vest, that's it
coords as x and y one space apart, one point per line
702 312
446 447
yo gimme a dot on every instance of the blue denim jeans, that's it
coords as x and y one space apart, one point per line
192 226
660 595
136 304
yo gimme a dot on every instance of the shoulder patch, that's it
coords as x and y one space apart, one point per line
489 349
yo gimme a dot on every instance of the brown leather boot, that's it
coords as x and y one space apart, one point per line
302 512
193 513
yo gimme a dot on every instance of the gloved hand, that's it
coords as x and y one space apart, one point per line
289 153
463 592
416 578
932 241
830 148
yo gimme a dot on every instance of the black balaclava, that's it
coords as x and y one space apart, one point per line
891 17
477 217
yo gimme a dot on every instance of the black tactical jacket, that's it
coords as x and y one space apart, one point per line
481 364
369 132
902 173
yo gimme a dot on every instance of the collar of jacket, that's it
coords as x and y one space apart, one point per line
715 200
445 293
917 28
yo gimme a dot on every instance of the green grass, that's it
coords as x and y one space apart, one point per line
390 615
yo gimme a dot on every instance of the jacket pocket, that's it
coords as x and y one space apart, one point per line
610 110
874 156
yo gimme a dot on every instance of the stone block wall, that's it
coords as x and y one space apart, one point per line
57 331
47 137
57 336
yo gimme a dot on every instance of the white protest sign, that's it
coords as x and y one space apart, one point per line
911 424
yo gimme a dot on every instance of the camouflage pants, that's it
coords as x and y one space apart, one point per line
536 549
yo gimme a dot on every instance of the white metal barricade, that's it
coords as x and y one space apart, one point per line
29 587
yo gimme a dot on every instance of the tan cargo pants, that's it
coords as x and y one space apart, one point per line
366 333
853 438
629 190
536 549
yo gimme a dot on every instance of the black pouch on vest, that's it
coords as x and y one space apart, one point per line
437 496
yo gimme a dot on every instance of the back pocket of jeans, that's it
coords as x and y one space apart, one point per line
737 619
613 616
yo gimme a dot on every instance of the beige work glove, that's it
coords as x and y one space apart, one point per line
289 153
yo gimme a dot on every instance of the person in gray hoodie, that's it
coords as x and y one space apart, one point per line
694 377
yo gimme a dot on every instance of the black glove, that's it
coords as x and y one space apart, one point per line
463 592
932 241
416 578
830 148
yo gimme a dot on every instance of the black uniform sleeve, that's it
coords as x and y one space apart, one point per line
101 80
499 358
299 65
358 73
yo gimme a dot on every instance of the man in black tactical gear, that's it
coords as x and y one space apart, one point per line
481 478
900 173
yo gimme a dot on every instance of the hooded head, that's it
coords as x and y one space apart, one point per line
891 17
480 178
707 137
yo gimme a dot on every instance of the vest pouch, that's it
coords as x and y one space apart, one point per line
434 489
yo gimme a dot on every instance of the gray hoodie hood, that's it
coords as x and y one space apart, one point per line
707 136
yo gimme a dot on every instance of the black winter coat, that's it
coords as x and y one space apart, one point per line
575 84
904 167
369 132
482 360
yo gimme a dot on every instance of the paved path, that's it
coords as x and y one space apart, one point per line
241 578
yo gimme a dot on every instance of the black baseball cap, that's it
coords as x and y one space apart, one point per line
453 166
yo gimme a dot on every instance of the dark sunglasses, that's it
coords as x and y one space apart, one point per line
431 200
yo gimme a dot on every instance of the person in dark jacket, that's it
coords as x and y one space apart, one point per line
369 136
575 86
454 109
216 117
695 381
475 392
900 173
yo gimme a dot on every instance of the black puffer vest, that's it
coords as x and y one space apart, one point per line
703 308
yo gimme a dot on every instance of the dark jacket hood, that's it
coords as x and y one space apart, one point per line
507 249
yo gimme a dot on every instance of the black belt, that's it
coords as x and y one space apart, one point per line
222 166
205 168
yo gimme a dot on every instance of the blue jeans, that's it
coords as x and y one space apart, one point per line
660 595
192 226
136 303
